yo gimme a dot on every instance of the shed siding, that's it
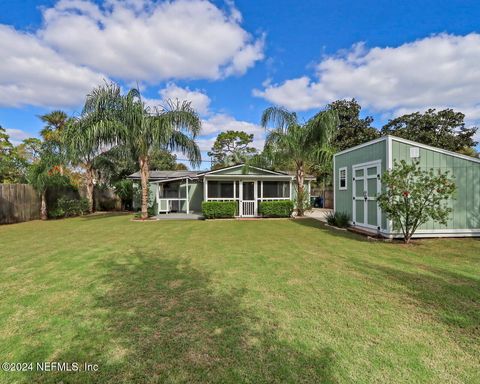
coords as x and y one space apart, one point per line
372 152
466 201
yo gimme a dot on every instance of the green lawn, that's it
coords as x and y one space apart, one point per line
236 301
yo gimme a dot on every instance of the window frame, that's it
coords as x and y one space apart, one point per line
340 188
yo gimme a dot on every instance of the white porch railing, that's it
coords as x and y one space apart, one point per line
165 204
272 198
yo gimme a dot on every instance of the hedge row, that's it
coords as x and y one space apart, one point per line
69 207
219 209
279 208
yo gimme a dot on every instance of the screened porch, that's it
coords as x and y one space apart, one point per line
247 193
172 196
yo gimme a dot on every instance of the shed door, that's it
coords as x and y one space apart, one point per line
366 187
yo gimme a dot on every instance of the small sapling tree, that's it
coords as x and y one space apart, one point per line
413 196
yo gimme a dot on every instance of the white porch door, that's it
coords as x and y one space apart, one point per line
365 188
248 199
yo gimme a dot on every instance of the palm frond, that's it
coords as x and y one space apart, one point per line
279 117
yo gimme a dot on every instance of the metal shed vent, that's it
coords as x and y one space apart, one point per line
414 152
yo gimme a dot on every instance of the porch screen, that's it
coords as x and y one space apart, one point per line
220 189
273 189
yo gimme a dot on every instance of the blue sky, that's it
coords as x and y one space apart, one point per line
233 59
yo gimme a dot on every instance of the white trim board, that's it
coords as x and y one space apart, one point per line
242 165
435 149
425 233
390 138
371 142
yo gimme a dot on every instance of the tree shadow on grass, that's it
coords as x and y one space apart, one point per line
163 323
448 297
104 215
314 223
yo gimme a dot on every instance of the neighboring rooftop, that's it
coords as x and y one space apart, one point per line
161 175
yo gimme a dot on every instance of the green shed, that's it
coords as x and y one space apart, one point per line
357 174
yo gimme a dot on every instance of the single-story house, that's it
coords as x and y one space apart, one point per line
357 182
184 191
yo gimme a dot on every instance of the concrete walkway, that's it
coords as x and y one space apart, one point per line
179 216
319 214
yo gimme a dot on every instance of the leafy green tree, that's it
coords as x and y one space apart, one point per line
126 121
299 145
52 132
231 148
414 196
29 149
12 165
443 129
352 130
45 173
124 190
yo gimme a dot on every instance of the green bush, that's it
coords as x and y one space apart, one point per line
69 207
338 219
278 208
107 205
152 209
56 213
219 209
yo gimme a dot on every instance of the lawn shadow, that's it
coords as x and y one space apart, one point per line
448 297
104 215
163 323
314 223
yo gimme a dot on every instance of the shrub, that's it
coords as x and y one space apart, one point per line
152 209
413 196
219 209
56 213
69 207
338 219
279 208
107 205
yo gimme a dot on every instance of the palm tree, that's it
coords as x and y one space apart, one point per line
125 121
299 145
82 148
55 123
45 173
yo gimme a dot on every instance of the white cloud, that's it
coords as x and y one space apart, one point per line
223 122
217 123
438 71
152 41
17 135
200 101
32 73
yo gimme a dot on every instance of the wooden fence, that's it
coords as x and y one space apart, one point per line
327 195
18 202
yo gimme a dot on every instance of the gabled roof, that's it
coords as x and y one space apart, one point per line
178 175
166 175
214 171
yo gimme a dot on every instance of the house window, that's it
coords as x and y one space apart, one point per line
272 189
342 178
220 189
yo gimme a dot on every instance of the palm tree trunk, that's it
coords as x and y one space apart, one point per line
144 180
300 179
43 205
90 187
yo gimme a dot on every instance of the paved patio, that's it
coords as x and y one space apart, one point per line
319 214
179 216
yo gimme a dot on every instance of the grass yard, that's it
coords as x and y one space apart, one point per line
236 301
